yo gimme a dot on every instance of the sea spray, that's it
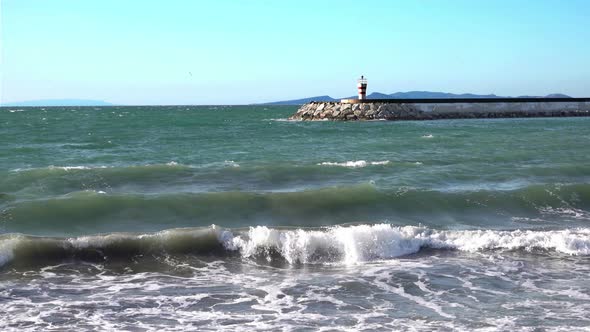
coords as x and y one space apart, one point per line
464 225
362 243
346 245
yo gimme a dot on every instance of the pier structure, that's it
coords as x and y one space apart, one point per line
433 109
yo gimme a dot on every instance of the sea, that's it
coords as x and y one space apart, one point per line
233 218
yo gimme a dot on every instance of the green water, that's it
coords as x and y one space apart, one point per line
225 218
71 171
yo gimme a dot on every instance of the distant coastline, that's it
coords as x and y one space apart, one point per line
408 95
57 102
302 101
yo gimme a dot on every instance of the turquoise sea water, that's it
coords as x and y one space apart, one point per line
231 217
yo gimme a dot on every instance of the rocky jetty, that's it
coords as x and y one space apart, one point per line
429 110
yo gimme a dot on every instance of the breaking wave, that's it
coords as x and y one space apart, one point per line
363 243
354 163
347 245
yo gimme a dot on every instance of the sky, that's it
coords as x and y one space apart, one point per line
241 52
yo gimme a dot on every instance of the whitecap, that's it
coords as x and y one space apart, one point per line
566 212
361 243
7 247
354 163
69 168
282 120
231 163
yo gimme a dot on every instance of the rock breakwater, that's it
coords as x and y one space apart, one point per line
433 110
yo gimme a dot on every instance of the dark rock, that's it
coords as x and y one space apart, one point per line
408 111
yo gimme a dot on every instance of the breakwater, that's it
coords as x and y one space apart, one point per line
433 109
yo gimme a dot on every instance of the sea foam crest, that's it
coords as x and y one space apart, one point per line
231 163
333 245
361 243
69 168
7 247
354 163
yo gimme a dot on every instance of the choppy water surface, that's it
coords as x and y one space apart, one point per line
231 218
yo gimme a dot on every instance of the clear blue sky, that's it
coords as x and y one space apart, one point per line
141 52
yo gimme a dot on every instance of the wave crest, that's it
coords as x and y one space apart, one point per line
346 245
362 243
354 163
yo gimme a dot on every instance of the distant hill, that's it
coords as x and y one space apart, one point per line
303 100
376 95
436 95
58 102
553 95
408 95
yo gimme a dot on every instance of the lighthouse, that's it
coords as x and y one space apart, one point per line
362 88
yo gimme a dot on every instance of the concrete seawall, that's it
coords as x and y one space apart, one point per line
432 109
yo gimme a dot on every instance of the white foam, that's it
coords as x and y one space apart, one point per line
7 247
381 281
218 296
169 235
361 243
348 245
99 241
81 167
566 212
427 136
569 292
354 163
231 163
69 168
573 242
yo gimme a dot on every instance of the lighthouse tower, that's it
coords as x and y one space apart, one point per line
362 87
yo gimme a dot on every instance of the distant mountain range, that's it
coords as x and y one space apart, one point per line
58 102
374 95
408 95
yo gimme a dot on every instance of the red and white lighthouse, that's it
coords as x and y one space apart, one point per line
362 87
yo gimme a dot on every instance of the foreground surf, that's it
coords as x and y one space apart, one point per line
346 245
